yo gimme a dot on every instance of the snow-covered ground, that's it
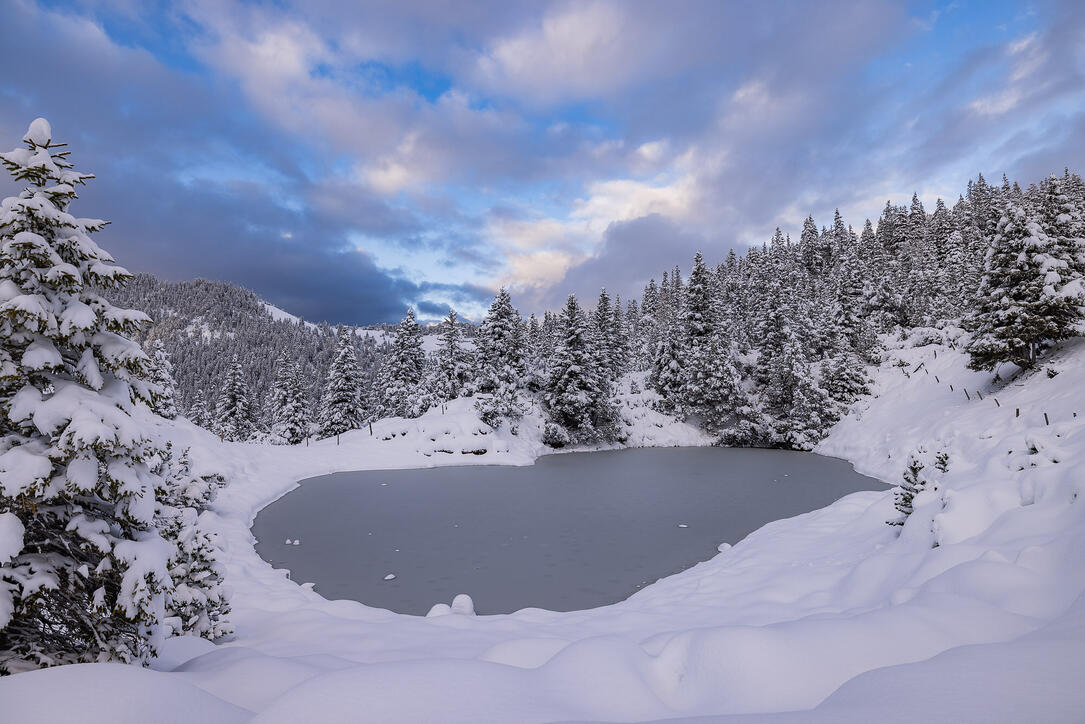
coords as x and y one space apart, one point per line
830 615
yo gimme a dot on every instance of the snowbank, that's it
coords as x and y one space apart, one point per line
833 615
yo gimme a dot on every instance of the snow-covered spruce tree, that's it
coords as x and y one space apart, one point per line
603 333
576 395
452 370
793 398
698 330
83 570
923 471
163 396
499 361
722 403
233 412
1025 302
195 603
499 358
844 379
666 376
341 404
199 413
400 374
289 405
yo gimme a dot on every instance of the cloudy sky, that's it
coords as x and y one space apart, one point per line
346 160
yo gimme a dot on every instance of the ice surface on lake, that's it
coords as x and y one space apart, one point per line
572 531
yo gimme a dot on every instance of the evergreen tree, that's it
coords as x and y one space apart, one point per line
453 373
84 578
165 389
726 408
698 330
576 397
666 376
289 405
1024 303
499 344
196 603
604 343
400 377
341 406
792 396
233 413
200 414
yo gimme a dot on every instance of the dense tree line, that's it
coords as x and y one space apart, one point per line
766 348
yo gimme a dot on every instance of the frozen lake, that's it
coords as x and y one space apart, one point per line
573 531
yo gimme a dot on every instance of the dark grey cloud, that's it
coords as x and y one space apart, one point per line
144 129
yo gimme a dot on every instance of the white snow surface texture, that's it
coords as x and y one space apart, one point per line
832 616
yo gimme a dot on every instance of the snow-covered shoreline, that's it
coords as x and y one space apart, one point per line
779 622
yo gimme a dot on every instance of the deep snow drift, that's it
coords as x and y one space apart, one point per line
832 615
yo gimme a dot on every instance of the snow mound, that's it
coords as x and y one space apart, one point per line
832 615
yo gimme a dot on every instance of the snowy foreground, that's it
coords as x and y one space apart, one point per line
828 616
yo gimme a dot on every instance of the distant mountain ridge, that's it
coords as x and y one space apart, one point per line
204 324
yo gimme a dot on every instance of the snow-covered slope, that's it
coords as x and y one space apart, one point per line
832 615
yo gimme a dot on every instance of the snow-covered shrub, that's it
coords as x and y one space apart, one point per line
922 473
504 403
555 435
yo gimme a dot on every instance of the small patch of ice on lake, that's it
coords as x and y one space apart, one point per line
297 541
723 547
682 525
390 577
289 542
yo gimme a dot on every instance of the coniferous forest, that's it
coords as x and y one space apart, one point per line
766 348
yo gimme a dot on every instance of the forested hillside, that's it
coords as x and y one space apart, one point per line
204 324
768 348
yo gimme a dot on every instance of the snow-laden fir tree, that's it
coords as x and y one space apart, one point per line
163 396
200 413
452 370
721 401
666 376
576 393
341 403
196 603
792 396
233 411
1026 301
501 372
499 356
289 405
82 566
399 380
698 330
604 338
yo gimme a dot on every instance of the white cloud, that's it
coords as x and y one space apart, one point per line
578 50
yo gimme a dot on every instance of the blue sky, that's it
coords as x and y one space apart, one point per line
348 160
